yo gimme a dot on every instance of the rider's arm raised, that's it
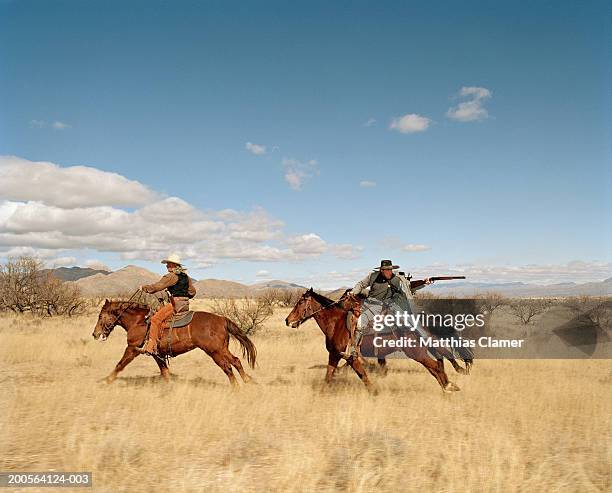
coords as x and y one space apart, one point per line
168 280
362 285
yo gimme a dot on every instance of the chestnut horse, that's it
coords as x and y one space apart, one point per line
350 301
331 318
207 331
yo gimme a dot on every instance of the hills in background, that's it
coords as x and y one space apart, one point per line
120 282
94 282
464 289
74 273
129 278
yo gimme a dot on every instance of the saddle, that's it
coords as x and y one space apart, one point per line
180 319
175 321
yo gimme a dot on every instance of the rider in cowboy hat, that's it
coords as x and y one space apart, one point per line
383 284
181 289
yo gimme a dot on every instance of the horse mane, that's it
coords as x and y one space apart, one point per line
125 305
323 300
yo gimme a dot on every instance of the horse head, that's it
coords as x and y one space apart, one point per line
107 320
303 310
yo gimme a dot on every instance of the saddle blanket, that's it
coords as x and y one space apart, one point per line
180 319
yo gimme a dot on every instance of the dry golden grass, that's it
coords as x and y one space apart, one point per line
515 426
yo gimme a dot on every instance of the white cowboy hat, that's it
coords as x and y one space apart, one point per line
172 259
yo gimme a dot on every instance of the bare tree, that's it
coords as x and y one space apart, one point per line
55 297
424 295
525 309
489 302
19 283
271 296
281 296
289 297
248 314
24 286
597 309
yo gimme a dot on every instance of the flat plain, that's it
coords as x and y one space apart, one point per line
516 425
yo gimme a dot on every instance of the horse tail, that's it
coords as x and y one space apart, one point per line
248 348
467 355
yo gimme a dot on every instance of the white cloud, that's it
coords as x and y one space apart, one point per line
34 220
410 123
298 172
97 264
370 122
306 245
28 251
56 125
367 184
256 149
576 271
262 273
347 251
61 262
60 125
412 247
74 186
472 109
396 243
333 279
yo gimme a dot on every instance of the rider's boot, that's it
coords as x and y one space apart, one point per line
353 349
150 345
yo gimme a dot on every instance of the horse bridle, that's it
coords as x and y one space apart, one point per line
108 328
310 298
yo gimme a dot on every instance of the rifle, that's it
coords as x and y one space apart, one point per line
420 282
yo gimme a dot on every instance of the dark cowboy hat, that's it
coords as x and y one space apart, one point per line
386 265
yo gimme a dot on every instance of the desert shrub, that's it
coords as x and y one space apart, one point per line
597 309
525 309
25 287
270 296
56 297
248 314
489 302
281 297
425 295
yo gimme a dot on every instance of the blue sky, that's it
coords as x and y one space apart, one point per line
168 94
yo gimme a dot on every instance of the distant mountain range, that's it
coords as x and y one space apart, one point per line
94 282
128 279
74 273
601 288
121 282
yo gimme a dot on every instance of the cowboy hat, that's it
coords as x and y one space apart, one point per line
386 265
172 259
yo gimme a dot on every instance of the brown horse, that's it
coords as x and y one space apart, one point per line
350 301
331 317
207 331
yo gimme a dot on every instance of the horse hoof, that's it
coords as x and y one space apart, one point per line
451 387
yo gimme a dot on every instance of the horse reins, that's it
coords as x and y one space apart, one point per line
117 317
320 309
